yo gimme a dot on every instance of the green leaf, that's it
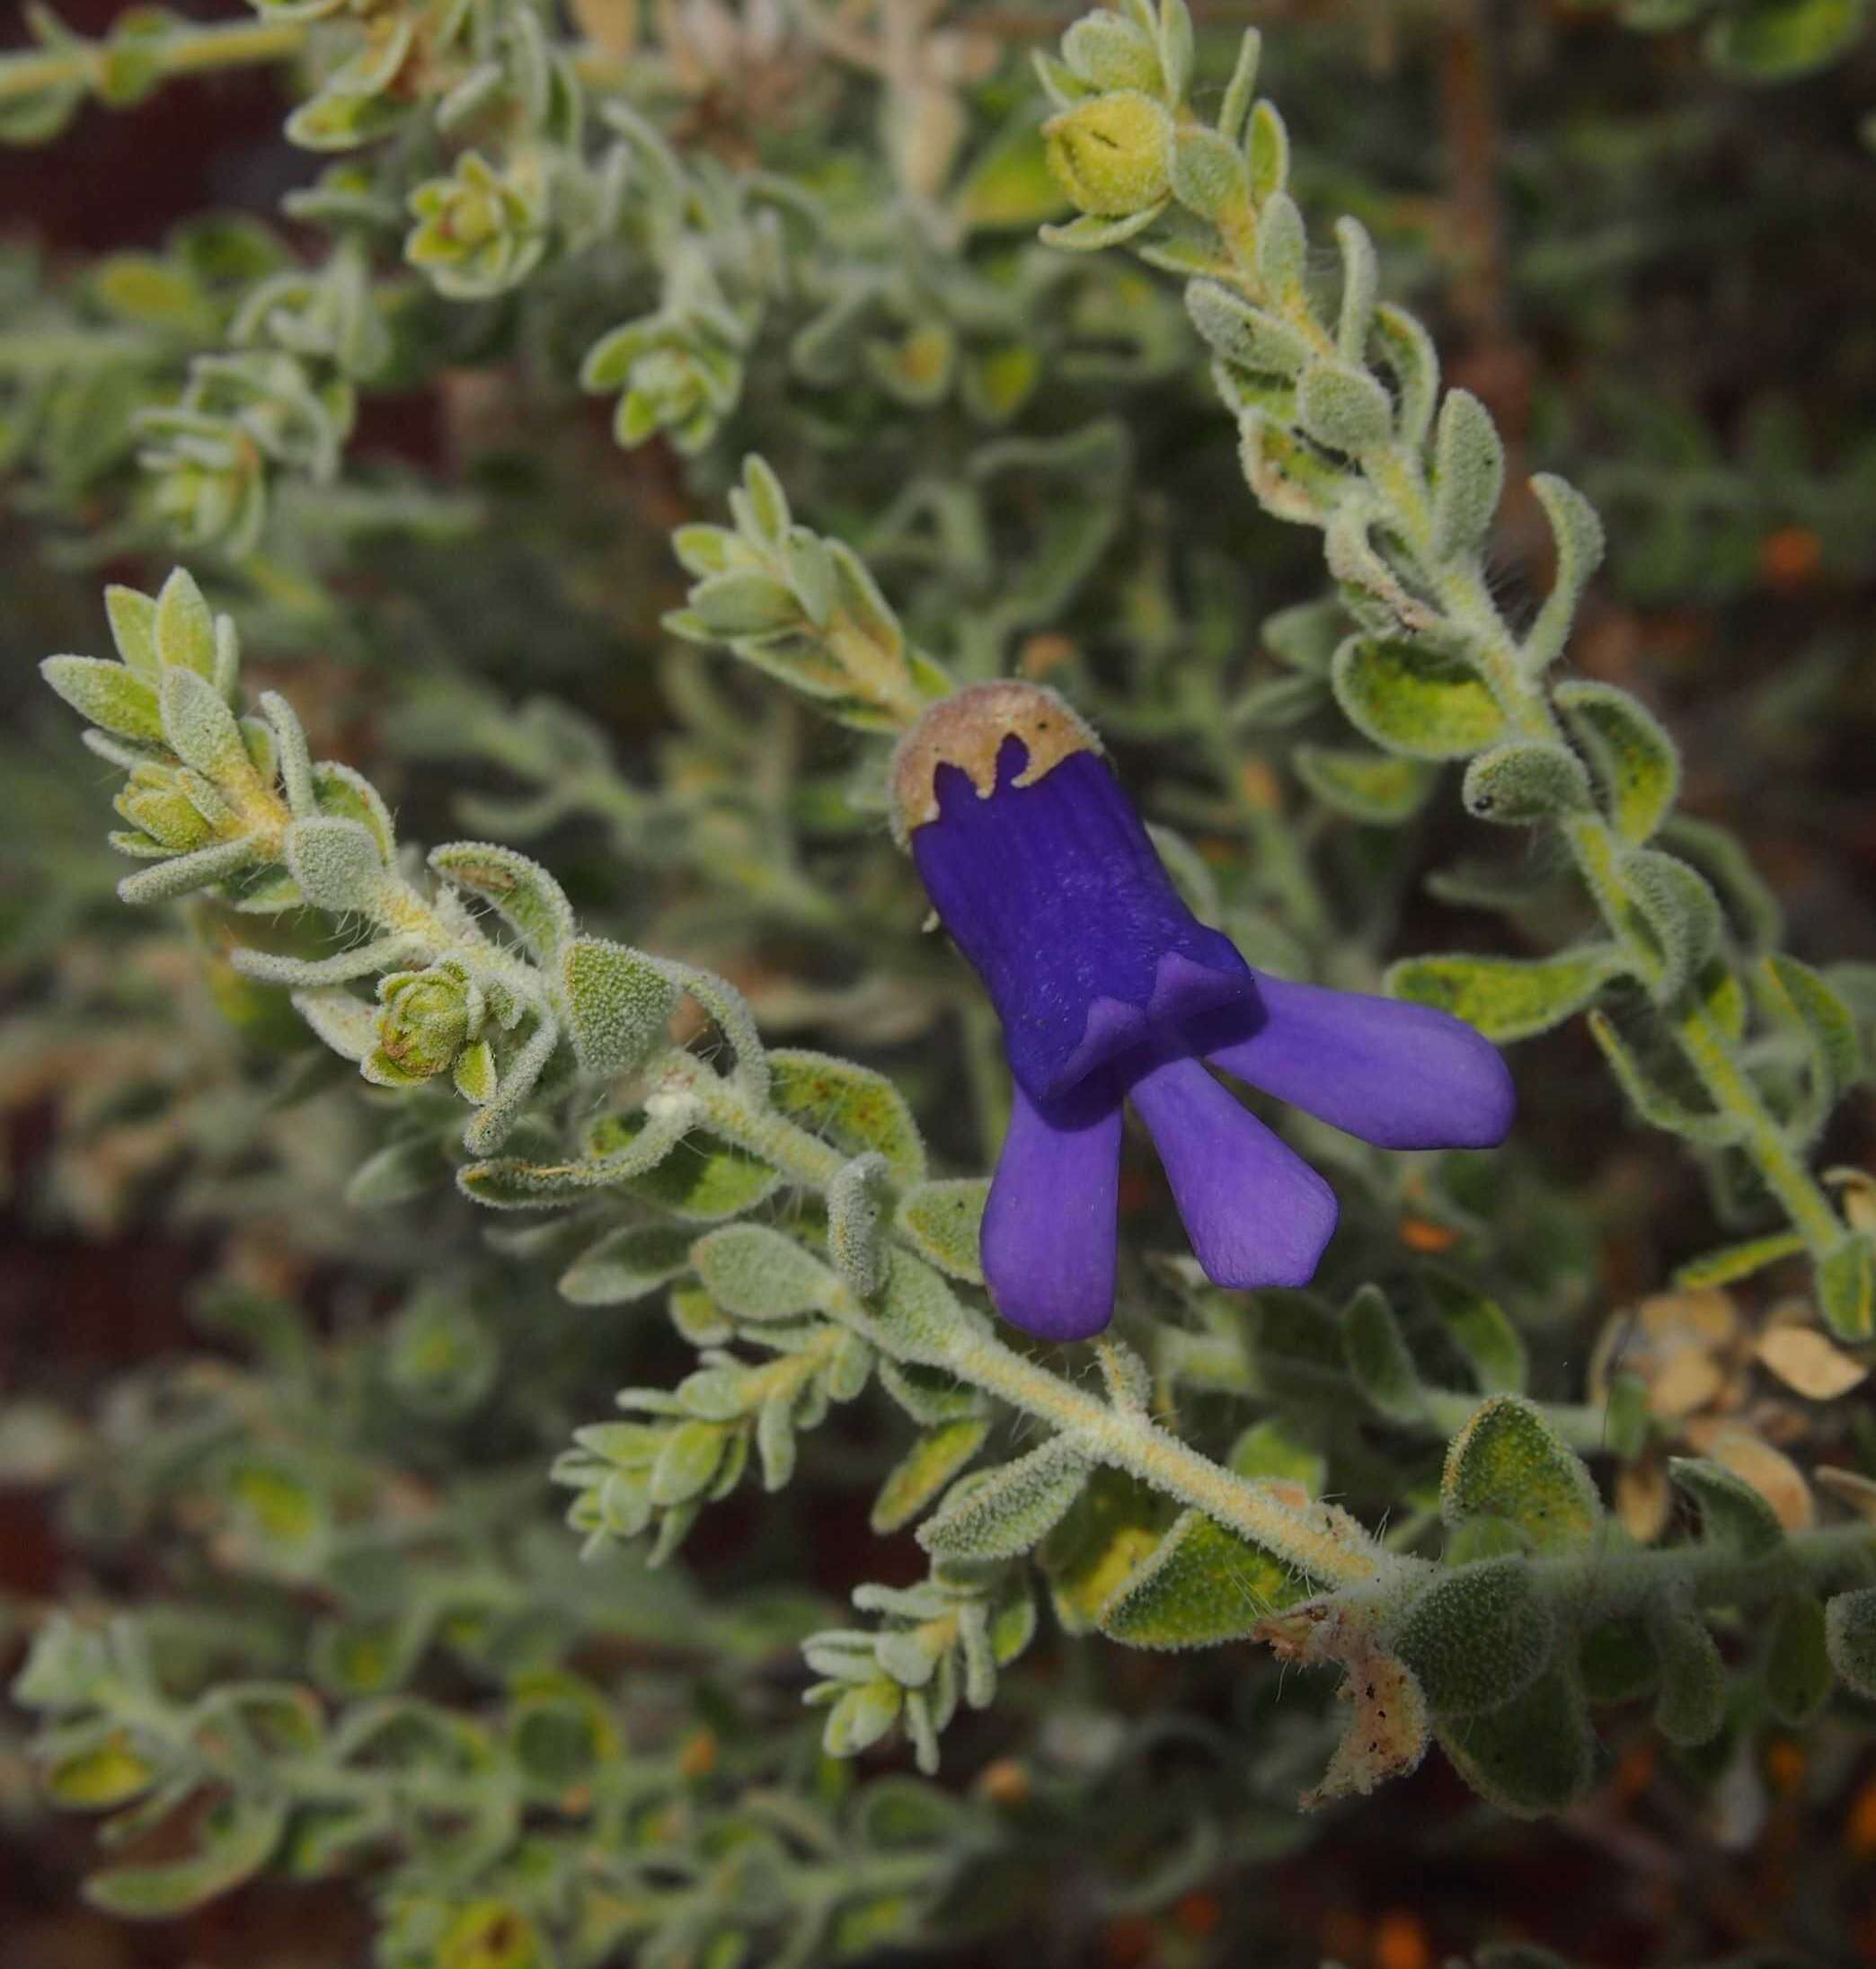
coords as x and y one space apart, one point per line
133 629
526 896
1811 1004
1776 41
944 1220
1367 786
1732 1513
618 1003
1378 1357
1531 1756
1468 476
238 1837
1479 1635
336 864
1250 336
1493 1348
184 874
1361 276
627 1264
1410 699
1798 1671
1276 1449
111 696
1850 1634
1112 1527
687 1463
704 1179
924 1470
1635 759
1507 998
98 1773
744 603
1009 184
1577 532
201 730
1653 1102
1682 915
509 1183
1508 1462
1691 1705
1201 1585
853 1108
184 627
1002 1513
1752 910
1307 636
1343 408
1208 173
1525 780
1846 1289
1733 1262
1407 349
755 1272
1618 1660
861 1717
343 794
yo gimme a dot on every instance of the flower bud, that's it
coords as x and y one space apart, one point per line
427 1017
1112 154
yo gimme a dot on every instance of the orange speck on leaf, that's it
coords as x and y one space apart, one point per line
1790 557
1401 1942
1633 1773
1860 1827
1004 1782
1045 652
1422 1234
698 1757
1784 1766
1198 1914
1260 787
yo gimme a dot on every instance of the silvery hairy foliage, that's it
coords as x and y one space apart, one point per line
947 596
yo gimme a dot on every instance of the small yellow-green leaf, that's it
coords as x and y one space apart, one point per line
1110 1531
1635 758
238 1837
925 1468
944 1220
1202 1585
1507 998
1374 787
1508 1462
1409 699
852 1107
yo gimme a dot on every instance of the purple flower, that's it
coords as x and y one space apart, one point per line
1110 990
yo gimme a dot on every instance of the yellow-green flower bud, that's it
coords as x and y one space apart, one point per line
1112 154
480 230
428 1019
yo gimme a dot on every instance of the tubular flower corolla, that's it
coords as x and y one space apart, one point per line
1110 990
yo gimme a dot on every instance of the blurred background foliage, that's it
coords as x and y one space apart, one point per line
282 1406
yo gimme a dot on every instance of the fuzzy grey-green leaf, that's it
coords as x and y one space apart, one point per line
1468 476
1478 1636
1004 1512
758 1273
1524 781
